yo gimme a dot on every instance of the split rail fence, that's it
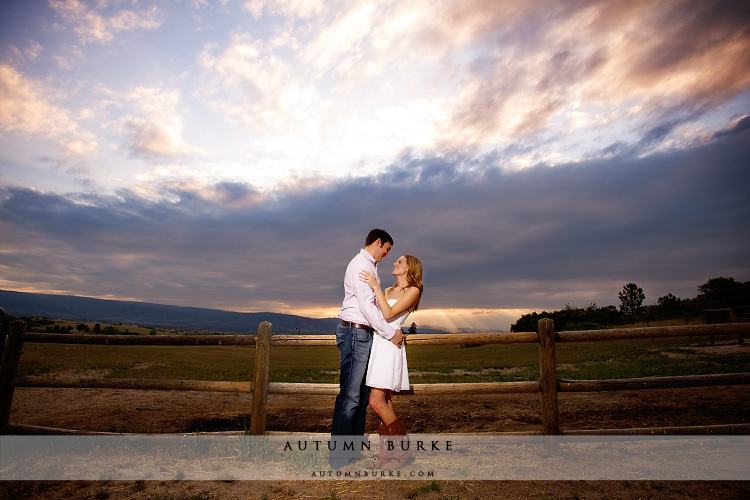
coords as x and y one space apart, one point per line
548 386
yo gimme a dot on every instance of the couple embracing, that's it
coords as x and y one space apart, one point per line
372 352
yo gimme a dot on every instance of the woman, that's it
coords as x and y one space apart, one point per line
386 370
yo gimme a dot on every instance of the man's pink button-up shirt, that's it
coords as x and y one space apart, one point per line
360 304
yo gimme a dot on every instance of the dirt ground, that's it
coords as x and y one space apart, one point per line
177 411
115 410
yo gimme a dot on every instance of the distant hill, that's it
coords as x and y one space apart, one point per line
158 315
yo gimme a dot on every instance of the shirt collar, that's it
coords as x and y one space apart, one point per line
368 256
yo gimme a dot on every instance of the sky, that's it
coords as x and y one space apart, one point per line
235 154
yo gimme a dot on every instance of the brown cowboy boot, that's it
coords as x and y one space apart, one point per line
402 448
395 448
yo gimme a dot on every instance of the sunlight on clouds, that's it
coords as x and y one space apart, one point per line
22 285
263 92
255 7
170 183
292 8
91 26
454 320
128 20
640 64
151 191
284 308
383 134
203 152
704 74
297 89
611 56
295 128
24 107
158 129
528 113
451 320
339 43
404 20
577 119
80 148
146 137
310 312
332 123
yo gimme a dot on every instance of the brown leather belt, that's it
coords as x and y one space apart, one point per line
357 325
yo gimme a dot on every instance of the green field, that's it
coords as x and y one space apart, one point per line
427 363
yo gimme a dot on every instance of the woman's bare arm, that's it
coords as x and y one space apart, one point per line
405 303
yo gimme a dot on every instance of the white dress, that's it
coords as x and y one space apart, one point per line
387 366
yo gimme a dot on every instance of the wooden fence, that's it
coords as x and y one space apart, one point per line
4 329
548 386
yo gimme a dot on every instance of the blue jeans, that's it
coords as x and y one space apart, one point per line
350 409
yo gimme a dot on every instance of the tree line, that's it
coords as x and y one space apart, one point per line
716 293
46 325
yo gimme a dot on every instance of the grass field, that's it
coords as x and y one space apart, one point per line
427 364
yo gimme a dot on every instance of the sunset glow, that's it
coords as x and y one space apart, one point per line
234 154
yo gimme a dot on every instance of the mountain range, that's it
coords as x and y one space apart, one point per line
69 307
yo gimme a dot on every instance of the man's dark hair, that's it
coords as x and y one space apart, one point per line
376 234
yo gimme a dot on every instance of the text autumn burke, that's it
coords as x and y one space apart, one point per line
364 444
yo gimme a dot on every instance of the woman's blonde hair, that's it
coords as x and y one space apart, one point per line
413 277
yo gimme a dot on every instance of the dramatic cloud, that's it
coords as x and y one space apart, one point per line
235 154
613 56
537 238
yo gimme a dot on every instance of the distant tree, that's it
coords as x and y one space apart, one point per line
724 292
412 329
97 328
528 322
607 315
667 300
631 299
571 318
716 293
669 306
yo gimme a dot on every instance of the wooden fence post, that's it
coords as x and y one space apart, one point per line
5 327
9 369
548 377
260 379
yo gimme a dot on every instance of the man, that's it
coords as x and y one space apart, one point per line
360 320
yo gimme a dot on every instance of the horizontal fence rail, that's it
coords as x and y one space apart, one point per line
633 384
276 340
738 329
139 383
99 339
548 385
321 389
